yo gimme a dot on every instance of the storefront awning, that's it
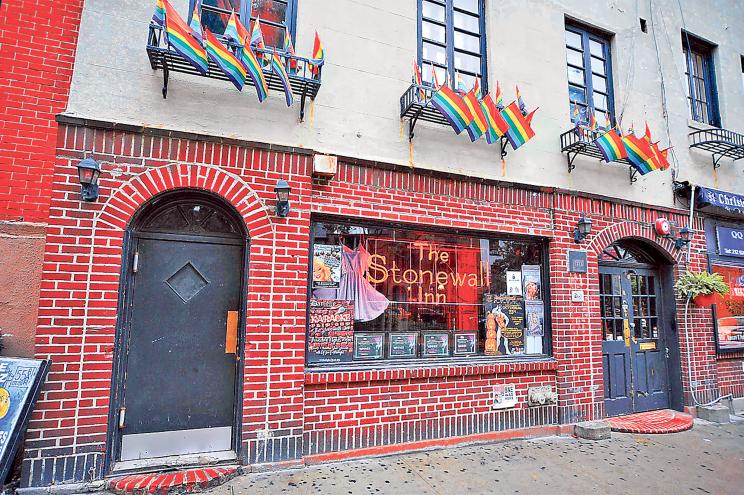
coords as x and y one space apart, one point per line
717 202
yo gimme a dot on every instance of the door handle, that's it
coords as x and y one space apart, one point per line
231 334
626 332
666 352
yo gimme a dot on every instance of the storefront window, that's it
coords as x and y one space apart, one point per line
730 311
382 293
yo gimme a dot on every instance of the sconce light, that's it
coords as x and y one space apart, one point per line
282 191
683 239
583 228
88 172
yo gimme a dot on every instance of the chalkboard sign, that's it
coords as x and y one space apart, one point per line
330 333
20 382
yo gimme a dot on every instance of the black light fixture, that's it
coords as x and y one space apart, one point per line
88 172
683 238
582 229
282 191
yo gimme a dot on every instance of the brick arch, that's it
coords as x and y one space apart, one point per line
629 230
119 209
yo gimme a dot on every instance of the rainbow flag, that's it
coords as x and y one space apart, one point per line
278 67
452 107
434 77
289 50
182 39
499 97
318 53
497 126
225 60
520 131
520 102
478 125
257 35
159 15
237 32
460 84
195 23
417 80
640 154
610 144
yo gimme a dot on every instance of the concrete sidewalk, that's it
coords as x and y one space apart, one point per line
707 459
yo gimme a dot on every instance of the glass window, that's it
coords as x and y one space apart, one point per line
700 73
589 75
275 16
421 295
452 40
729 311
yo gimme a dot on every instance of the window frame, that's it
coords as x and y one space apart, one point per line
246 7
693 45
588 34
449 26
387 363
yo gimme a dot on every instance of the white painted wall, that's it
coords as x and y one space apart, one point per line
369 46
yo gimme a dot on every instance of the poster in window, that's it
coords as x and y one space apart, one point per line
330 332
436 344
535 317
368 346
513 283
532 282
466 344
504 325
326 266
730 309
403 345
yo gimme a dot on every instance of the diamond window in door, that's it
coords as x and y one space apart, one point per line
187 282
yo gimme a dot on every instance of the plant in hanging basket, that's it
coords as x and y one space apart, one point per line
703 288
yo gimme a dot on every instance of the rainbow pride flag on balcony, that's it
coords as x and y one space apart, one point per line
520 128
640 154
183 39
452 107
195 23
225 60
610 144
238 33
497 126
159 15
478 125
278 66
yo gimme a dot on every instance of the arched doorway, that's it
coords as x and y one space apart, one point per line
640 350
182 300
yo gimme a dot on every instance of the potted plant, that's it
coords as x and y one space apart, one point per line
702 288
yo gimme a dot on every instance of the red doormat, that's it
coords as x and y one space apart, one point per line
172 483
663 421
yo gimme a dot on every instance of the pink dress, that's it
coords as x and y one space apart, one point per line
354 286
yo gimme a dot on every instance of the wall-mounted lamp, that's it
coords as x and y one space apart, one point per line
282 191
88 172
683 238
583 228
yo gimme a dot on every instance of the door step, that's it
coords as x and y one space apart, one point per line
172 482
663 421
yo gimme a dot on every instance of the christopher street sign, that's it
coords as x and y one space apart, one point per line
730 242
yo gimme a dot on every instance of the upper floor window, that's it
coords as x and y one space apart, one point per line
589 75
275 16
701 81
451 37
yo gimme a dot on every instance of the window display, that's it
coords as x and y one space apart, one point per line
730 309
429 295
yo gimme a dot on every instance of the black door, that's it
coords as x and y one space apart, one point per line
179 381
634 347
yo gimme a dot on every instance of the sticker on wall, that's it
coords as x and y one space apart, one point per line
326 266
504 396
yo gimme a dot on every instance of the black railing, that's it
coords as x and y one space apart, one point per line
720 142
580 141
305 78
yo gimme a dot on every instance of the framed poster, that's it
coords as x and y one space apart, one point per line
326 266
466 344
535 316
330 331
20 382
436 344
504 325
368 346
403 345
532 282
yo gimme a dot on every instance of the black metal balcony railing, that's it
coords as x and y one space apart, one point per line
580 141
415 105
720 142
305 79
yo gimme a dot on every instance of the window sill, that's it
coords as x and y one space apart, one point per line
700 126
420 370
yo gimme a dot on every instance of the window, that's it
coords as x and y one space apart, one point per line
451 37
729 311
391 293
701 85
589 75
275 15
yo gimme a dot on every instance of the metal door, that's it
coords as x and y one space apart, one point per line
633 348
179 381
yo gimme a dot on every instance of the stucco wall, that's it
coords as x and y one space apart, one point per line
369 46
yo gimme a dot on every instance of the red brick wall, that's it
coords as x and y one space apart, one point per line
38 40
731 375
